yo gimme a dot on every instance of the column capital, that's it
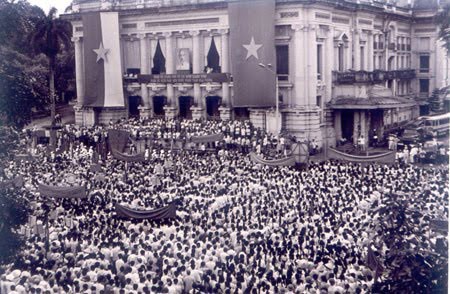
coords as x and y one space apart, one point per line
194 33
298 27
142 36
167 34
312 27
76 39
223 31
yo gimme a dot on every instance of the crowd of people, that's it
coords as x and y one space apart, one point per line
241 227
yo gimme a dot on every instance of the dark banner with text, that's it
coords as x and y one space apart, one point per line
184 78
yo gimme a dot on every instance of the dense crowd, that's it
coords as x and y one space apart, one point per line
240 227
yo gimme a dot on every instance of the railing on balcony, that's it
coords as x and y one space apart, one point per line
283 77
376 76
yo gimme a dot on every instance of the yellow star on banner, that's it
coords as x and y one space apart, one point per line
252 48
101 52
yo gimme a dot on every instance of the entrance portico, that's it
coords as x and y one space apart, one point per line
356 117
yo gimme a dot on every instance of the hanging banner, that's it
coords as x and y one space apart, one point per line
388 157
62 192
118 139
127 157
184 78
252 39
287 161
168 211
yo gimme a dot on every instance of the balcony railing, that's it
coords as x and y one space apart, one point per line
376 76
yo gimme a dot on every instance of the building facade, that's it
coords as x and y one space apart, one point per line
345 69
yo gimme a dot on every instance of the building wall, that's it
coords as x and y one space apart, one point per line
365 36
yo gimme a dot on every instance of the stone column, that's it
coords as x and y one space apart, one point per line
195 51
356 126
225 55
338 124
329 59
198 109
356 50
225 110
300 85
364 129
370 64
145 110
170 110
79 70
169 53
311 58
143 53
196 65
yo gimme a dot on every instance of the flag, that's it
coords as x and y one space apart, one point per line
373 263
252 41
102 60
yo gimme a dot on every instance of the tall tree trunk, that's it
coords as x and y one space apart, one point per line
53 106
52 93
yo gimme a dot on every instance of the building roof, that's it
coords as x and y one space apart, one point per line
370 103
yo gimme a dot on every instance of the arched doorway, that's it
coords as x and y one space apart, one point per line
212 106
158 105
185 103
133 105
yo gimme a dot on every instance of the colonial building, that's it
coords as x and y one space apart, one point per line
344 69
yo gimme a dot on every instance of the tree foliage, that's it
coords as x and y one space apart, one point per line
22 86
48 38
443 20
25 69
410 267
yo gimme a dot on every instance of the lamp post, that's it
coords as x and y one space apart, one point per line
277 110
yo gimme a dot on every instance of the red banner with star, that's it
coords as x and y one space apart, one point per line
102 60
252 42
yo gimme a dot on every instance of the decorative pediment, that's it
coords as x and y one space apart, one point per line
340 37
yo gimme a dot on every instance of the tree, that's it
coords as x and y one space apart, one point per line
409 267
22 75
443 20
435 101
22 83
50 34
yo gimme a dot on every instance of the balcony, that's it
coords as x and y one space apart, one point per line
376 76
405 74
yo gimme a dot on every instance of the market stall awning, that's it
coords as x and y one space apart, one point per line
370 103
